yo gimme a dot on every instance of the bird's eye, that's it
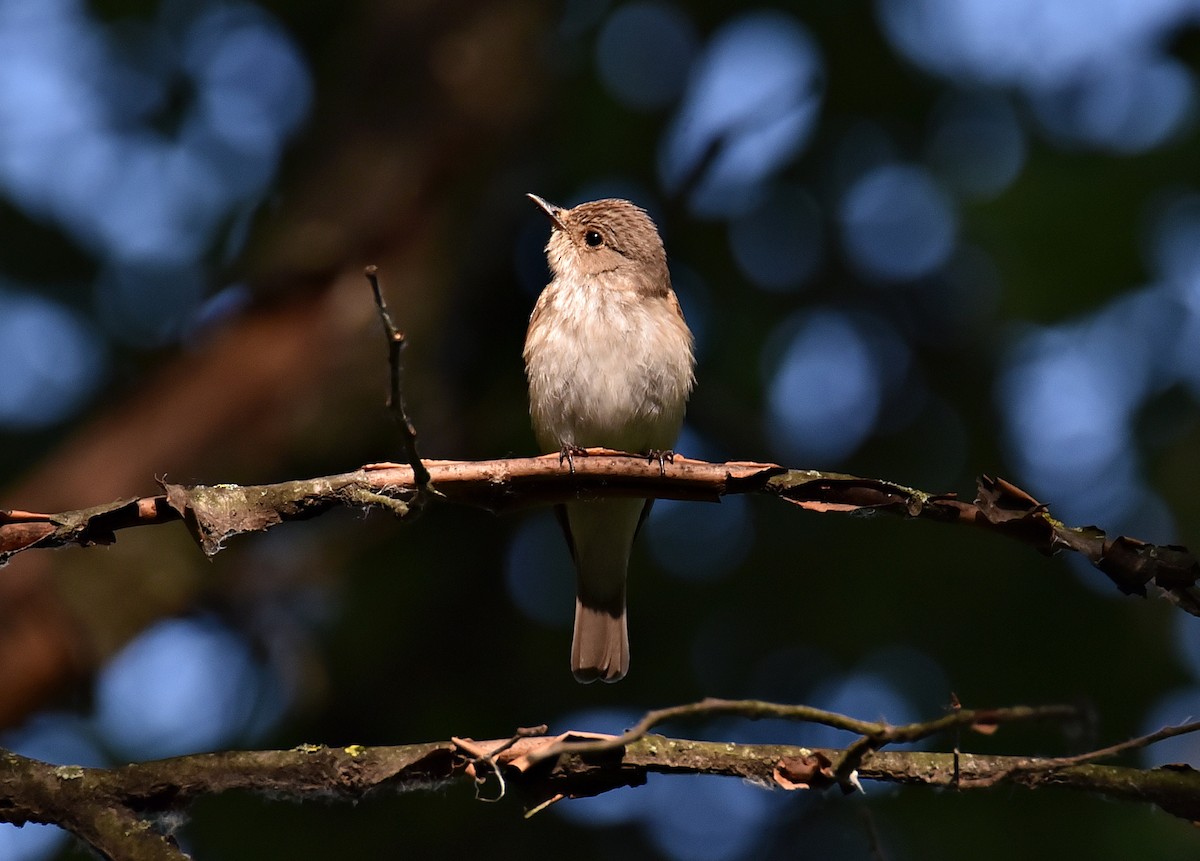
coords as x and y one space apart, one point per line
593 238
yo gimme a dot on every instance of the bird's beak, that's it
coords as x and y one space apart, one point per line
550 209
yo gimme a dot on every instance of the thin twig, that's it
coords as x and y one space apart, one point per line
859 749
482 755
957 718
522 732
1051 764
408 432
878 733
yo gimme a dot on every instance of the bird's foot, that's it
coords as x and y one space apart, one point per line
569 453
662 456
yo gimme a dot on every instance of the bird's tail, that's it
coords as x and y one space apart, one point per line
601 534
600 647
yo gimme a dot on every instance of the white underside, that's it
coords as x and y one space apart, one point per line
614 371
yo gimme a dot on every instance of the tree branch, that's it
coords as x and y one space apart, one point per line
217 512
113 810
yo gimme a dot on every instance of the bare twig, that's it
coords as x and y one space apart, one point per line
408 432
488 752
876 733
1052 764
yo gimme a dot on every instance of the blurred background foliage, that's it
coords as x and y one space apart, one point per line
917 240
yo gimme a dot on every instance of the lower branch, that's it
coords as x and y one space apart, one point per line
113 809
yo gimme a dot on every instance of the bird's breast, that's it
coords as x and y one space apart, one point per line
608 368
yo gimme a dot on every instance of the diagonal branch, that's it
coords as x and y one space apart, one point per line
1056 763
878 732
33 791
217 512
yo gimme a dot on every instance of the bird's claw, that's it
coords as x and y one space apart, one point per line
662 456
569 453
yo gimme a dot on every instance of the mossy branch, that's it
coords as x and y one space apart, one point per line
114 810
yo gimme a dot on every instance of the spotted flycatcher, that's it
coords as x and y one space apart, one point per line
610 364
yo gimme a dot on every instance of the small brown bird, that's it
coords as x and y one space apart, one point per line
610 364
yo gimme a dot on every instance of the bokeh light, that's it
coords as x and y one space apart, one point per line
828 384
1070 400
251 82
698 542
1173 240
780 242
705 817
1025 42
976 143
750 106
538 572
182 686
897 224
52 360
1096 74
644 52
1174 251
129 192
143 140
1131 105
